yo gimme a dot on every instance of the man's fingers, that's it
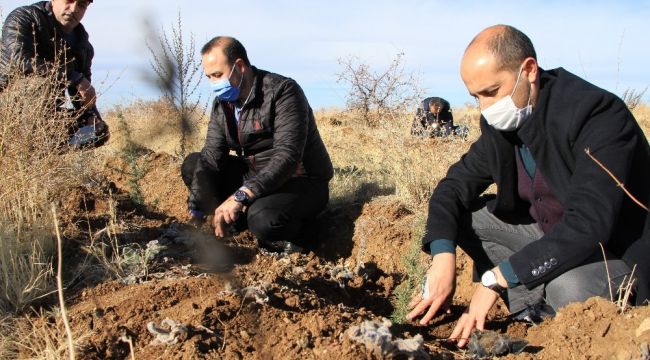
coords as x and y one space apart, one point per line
419 309
467 331
416 299
227 217
480 323
218 230
218 225
459 327
433 309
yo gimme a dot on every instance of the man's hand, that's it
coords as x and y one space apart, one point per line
441 281
87 93
226 213
474 317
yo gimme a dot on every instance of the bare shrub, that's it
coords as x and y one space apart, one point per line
25 266
35 167
633 97
41 336
376 92
176 68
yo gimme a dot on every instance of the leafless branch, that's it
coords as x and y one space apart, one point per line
618 182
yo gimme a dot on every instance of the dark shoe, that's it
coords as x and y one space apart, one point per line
280 247
534 314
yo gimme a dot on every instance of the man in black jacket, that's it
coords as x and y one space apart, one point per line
537 242
278 181
48 36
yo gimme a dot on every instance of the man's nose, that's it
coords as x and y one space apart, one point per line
485 103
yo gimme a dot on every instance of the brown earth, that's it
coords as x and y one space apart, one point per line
238 302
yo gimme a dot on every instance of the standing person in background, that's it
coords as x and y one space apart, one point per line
49 35
537 242
278 181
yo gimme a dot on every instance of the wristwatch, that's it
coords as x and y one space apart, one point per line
242 197
489 280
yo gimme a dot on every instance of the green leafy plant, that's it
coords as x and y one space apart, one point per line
416 269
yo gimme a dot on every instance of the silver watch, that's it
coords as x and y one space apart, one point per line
489 280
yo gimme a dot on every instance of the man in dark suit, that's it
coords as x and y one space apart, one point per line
278 181
537 243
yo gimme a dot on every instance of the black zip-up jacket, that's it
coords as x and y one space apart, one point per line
276 137
571 115
33 42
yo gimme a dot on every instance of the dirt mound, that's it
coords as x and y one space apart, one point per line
593 329
384 224
273 307
158 178
229 299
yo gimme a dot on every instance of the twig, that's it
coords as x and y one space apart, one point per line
618 182
225 332
609 279
59 284
625 290
127 339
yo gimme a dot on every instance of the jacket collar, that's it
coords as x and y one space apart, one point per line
533 131
257 85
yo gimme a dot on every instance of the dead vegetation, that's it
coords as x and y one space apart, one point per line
36 166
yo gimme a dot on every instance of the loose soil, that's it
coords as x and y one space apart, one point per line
239 302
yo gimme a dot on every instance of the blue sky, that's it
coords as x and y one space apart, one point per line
604 42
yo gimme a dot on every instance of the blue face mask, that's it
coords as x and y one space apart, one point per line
224 90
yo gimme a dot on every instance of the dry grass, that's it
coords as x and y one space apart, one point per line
41 336
388 157
153 125
642 114
36 167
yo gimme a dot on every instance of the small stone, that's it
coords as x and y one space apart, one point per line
645 350
645 326
623 355
590 314
292 301
244 335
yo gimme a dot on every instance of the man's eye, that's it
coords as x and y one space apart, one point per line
491 93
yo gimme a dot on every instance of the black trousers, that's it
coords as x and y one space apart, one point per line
287 214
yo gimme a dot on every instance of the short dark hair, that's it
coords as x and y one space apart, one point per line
510 46
231 47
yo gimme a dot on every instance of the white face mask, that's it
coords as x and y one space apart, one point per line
504 115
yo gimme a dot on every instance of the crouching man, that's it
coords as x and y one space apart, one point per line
278 179
537 242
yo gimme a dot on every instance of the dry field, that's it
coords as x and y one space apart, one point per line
130 262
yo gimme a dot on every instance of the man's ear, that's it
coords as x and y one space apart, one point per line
531 69
239 64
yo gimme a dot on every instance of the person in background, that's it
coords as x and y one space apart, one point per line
537 242
49 35
435 119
